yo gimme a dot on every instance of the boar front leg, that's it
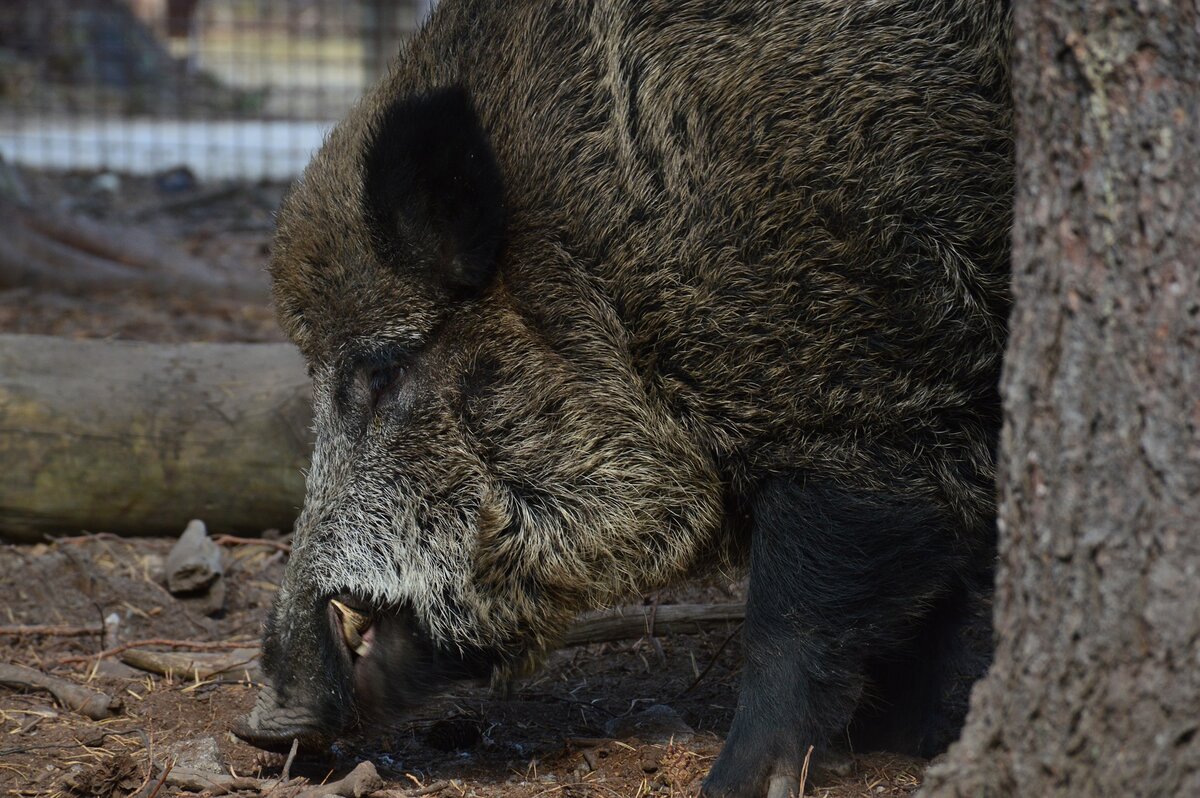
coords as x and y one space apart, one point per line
837 581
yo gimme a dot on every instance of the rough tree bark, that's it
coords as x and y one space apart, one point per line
1096 686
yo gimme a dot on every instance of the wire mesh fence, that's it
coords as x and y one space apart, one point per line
227 88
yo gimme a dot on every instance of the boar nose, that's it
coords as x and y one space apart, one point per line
309 667
273 726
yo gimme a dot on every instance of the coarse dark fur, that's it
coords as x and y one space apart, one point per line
599 295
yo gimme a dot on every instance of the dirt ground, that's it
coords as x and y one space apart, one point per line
576 728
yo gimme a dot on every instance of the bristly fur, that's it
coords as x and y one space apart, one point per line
694 246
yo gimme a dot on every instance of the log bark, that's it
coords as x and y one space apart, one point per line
140 438
1095 690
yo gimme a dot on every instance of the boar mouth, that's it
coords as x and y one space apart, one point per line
369 664
312 710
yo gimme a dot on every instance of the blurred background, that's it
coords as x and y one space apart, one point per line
144 145
228 88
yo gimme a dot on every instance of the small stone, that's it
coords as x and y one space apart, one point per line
831 766
659 724
176 180
106 183
194 563
453 734
198 754
117 670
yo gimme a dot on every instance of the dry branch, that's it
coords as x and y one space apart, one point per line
140 438
363 780
191 666
214 783
198 645
50 630
233 540
93 703
628 622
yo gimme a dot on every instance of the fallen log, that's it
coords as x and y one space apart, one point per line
140 438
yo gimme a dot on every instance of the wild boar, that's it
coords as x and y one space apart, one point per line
596 296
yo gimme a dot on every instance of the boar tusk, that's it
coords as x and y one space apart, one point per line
354 626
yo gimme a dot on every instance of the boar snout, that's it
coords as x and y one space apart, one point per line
338 661
310 694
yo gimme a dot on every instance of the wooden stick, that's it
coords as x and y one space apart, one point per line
234 540
49 630
286 774
77 255
93 703
215 783
199 645
363 780
193 666
634 621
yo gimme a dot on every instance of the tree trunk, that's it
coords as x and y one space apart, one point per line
1095 689
139 438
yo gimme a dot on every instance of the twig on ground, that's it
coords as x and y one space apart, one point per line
712 661
629 622
88 537
91 742
151 766
198 645
363 780
233 540
428 789
804 771
291 757
50 630
93 703
163 778
193 666
215 783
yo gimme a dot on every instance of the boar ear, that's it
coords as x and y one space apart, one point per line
433 192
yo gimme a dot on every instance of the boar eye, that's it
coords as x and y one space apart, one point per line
383 378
